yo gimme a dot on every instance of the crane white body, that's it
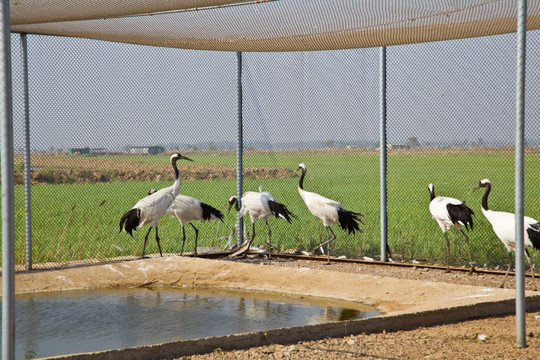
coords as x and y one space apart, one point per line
150 209
504 226
153 207
187 209
450 212
439 212
259 205
329 212
322 208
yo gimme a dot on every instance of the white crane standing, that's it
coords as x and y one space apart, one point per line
329 212
504 225
260 205
450 212
150 209
188 209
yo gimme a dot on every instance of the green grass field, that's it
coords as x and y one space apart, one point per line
81 221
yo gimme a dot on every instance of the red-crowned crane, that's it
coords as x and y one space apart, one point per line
329 212
188 209
260 205
150 209
450 212
504 225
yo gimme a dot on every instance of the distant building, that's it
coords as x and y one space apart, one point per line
86 150
394 147
98 151
152 150
72 151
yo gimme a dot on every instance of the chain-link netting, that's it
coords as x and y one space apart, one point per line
105 118
451 122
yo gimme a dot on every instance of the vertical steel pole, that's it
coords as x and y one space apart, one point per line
239 148
27 176
519 172
382 142
8 203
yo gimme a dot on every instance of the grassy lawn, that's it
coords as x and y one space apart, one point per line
79 221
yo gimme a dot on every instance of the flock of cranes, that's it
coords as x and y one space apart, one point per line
449 211
446 211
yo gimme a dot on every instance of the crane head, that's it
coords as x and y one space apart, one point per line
301 166
481 184
151 191
232 201
178 156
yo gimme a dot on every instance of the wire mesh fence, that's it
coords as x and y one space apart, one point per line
104 119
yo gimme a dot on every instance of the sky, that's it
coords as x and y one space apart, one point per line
89 93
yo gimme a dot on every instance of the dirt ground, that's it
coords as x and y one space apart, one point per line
419 289
73 169
487 338
491 338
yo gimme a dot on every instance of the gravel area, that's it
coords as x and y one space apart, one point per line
486 338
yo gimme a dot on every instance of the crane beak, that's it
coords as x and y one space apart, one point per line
474 189
229 208
186 158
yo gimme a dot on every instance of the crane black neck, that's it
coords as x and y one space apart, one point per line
301 182
235 202
176 172
485 197
432 194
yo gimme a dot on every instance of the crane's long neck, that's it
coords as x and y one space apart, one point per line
236 205
301 182
176 185
431 194
485 197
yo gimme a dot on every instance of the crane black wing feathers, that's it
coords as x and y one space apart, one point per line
130 220
460 214
348 220
278 210
208 210
534 234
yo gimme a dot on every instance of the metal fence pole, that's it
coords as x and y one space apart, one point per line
8 203
239 148
382 147
27 176
519 172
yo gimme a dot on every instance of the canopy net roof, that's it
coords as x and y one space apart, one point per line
271 25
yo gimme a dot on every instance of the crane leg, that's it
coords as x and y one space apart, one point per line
328 244
330 239
145 240
158 245
183 240
531 265
320 246
447 252
469 251
269 240
507 270
252 236
196 237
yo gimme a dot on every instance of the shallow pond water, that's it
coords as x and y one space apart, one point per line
49 324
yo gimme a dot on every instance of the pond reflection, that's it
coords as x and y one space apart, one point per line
93 320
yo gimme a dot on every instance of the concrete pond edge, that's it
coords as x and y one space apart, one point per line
290 335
